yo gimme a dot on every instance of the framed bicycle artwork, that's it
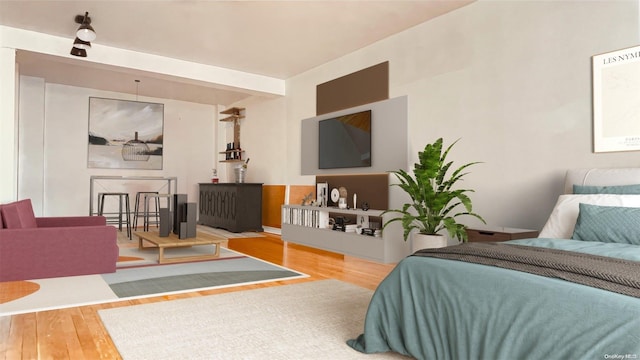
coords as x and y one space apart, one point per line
125 134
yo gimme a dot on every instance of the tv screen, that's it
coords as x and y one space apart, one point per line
345 141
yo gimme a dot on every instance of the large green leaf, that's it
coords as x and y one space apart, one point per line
432 193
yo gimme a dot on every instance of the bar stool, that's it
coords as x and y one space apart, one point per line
122 197
138 210
157 198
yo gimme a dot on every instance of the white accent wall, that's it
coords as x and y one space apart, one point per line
510 79
53 152
8 125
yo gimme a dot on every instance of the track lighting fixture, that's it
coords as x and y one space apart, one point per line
78 52
85 31
84 36
77 43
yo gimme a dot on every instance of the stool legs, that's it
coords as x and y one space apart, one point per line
138 212
146 213
146 207
135 211
100 204
122 211
128 213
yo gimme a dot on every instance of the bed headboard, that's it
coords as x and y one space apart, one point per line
601 177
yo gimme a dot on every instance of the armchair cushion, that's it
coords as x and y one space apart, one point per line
62 221
18 215
10 216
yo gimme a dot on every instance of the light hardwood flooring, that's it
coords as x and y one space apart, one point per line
78 333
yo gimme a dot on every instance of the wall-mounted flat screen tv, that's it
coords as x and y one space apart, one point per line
345 141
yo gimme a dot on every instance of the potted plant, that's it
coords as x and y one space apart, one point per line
434 201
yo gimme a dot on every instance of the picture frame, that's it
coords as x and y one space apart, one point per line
616 100
125 134
321 193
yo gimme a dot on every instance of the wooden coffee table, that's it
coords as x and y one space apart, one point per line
172 241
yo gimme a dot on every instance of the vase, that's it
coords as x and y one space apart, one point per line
240 172
422 241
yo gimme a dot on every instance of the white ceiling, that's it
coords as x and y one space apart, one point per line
278 39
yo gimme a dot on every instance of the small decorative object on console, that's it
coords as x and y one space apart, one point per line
214 177
343 192
339 223
368 231
335 195
321 193
342 203
306 200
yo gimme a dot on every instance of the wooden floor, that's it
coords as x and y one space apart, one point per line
78 333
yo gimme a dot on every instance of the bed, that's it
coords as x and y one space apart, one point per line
435 306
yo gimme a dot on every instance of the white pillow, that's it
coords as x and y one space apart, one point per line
563 218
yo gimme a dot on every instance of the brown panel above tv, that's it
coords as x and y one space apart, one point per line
358 88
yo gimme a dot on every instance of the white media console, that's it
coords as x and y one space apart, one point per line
309 225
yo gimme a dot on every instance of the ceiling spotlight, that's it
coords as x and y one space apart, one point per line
78 52
85 31
77 43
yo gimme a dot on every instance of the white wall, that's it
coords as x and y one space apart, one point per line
12 39
189 148
512 80
31 142
8 125
263 137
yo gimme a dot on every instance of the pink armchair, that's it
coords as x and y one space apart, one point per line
45 247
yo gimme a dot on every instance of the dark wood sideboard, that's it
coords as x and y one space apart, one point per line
235 207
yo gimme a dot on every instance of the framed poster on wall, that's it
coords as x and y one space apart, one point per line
616 100
125 134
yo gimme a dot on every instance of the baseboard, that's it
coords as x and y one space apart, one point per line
272 230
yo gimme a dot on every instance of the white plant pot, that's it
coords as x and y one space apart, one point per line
422 241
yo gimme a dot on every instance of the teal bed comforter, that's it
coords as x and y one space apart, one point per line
431 308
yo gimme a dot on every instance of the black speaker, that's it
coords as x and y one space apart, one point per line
190 219
165 222
179 211
183 231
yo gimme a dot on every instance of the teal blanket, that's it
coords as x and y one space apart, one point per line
432 308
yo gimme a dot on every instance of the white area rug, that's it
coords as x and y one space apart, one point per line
310 320
145 278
